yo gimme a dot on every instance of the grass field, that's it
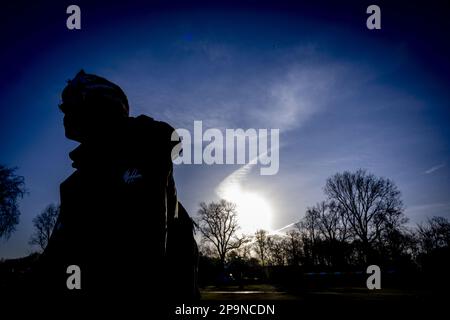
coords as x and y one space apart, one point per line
270 292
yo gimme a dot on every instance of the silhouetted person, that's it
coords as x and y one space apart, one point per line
119 207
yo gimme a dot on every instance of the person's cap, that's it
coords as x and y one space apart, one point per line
85 86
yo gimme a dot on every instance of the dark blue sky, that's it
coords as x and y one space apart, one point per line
342 96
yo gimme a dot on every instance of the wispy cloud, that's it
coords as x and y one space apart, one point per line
435 168
296 96
230 88
421 211
285 99
429 206
235 178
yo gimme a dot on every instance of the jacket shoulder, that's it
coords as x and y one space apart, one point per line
149 123
159 131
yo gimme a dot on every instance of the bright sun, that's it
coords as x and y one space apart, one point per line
253 211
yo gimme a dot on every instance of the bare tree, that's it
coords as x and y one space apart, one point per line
293 246
308 230
261 246
12 187
276 250
325 221
433 234
207 250
370 205
244 251
309 226
44 224
218 224
324 232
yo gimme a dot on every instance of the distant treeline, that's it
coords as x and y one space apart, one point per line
361 222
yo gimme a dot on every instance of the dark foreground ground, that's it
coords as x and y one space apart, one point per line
270 292
270 302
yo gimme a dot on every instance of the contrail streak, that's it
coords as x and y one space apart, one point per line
285 227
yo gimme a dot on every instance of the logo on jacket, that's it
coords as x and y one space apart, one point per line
131 176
